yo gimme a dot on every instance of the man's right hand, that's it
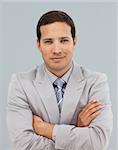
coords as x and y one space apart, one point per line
88 113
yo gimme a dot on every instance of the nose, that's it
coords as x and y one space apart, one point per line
56 48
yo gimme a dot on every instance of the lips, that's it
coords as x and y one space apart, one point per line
57 58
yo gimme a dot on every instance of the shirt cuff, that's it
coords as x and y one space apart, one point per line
54 133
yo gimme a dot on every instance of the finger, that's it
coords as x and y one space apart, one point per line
37 118
96 104
90 105
94 115
88 111
93 103
34 116
93 110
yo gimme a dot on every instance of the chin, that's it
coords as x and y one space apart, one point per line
58 67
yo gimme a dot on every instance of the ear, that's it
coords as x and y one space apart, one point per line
38 44
75 41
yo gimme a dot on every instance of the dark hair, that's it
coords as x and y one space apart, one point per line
55 16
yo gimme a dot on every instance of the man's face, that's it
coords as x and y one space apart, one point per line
56 46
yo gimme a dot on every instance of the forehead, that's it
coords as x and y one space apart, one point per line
55 29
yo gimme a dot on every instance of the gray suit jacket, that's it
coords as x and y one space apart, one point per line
32 93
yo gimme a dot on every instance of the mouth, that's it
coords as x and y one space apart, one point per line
57 59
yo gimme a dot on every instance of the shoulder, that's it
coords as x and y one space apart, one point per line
27 75
90 74
83 73
94 78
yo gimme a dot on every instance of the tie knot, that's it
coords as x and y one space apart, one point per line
60 83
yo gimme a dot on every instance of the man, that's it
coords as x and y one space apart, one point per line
59 105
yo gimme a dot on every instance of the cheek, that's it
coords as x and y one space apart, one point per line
45 55
68 50
45 51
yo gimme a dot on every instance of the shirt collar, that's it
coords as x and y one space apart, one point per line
53 77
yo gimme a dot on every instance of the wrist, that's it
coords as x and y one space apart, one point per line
47 130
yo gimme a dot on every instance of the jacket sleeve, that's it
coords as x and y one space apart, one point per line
19 121
96 136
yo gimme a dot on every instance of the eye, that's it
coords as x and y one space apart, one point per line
64 41
48 42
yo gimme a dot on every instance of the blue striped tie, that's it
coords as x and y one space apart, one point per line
59 86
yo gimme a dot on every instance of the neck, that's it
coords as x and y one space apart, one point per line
60 73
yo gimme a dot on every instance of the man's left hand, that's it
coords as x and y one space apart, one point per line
42 128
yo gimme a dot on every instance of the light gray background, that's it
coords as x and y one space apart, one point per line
96 31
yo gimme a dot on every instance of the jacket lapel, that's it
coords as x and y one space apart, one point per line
47 94
72 94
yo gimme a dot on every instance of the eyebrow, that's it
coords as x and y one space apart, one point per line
49 39
64 38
